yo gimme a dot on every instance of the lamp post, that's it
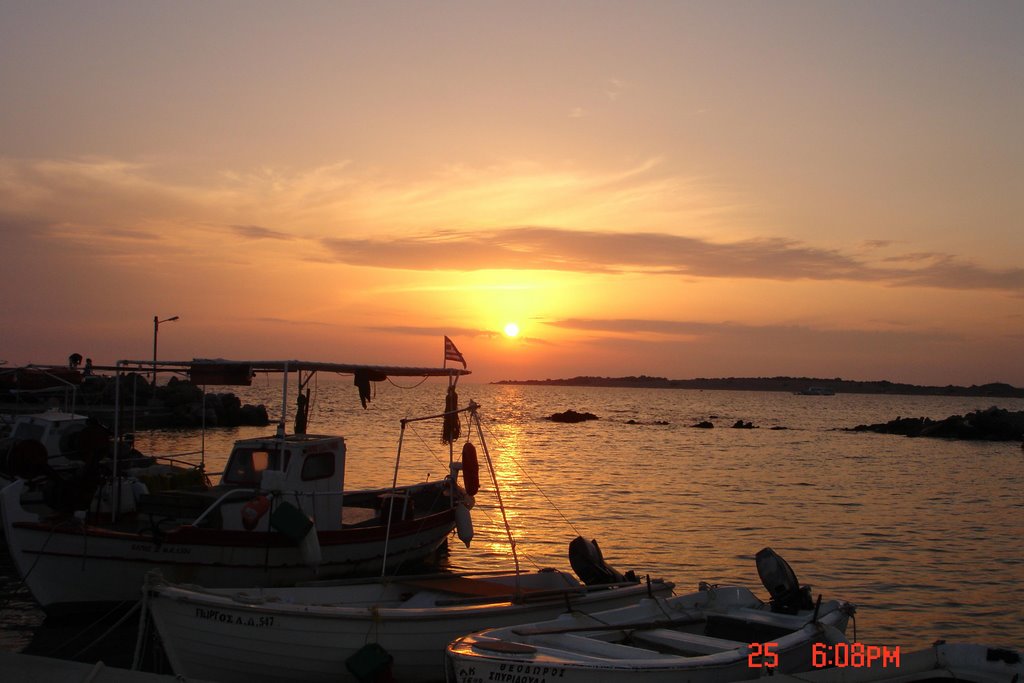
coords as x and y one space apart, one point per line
156 329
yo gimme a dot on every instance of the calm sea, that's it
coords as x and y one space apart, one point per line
924 535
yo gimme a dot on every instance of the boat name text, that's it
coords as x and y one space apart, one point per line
217 615
512 673
165 549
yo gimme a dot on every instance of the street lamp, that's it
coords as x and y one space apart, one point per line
156 328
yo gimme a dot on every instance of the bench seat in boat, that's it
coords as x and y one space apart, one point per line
685 643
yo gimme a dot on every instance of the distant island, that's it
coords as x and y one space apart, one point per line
785 384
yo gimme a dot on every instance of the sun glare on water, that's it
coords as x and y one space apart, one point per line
511 330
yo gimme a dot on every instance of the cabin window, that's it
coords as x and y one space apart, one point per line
247 465
318 466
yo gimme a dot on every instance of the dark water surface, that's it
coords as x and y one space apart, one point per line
924 535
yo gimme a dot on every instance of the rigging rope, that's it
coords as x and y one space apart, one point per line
532 481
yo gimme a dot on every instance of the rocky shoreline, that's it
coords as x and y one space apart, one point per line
991 424
790 385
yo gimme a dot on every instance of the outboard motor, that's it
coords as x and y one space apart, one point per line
788 596
588 563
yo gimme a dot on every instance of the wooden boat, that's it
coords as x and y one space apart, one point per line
315 633
256 528
718 633
964 662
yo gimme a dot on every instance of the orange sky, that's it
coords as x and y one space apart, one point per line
663 188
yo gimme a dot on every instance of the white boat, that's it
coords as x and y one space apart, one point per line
280 515
964 662
52 438
719 633
318 633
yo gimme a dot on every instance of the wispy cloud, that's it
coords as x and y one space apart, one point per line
258 232
543 248
774 334
336 215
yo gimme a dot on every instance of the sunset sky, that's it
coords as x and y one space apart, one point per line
681 189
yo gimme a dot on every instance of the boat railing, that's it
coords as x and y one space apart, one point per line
220 501
179 459
282 494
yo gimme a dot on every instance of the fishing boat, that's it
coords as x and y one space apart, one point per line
399 624
279 515
718 633
964 662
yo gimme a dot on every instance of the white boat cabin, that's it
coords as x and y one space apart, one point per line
305 470
57 431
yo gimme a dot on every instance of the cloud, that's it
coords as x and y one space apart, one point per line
257 232
545 248
772 334
431 331
512 217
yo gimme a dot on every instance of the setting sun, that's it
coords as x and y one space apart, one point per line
511 330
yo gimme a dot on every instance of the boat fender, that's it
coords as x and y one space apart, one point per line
371 662
253 511
470 469
310 549
464 523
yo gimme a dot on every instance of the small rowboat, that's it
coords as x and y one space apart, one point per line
718 633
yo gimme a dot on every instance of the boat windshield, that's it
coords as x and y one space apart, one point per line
246 466
28 430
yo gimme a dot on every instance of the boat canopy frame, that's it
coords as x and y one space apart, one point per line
220 371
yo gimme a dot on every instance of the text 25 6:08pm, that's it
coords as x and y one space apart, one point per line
840 655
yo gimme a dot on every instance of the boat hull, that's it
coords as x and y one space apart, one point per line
71 566
216 637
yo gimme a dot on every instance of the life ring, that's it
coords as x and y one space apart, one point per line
253 511
470 469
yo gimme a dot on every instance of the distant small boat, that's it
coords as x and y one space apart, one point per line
815 391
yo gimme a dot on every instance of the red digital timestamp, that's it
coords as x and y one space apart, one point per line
840 655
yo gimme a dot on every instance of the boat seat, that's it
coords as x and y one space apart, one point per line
592 647
461 585
353 516
754 625
684 643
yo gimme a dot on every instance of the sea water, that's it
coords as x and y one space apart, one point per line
923 535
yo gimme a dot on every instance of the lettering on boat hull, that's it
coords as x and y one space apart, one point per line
261 621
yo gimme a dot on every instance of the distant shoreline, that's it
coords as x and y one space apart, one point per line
785 384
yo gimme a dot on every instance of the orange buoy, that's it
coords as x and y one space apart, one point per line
253 511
